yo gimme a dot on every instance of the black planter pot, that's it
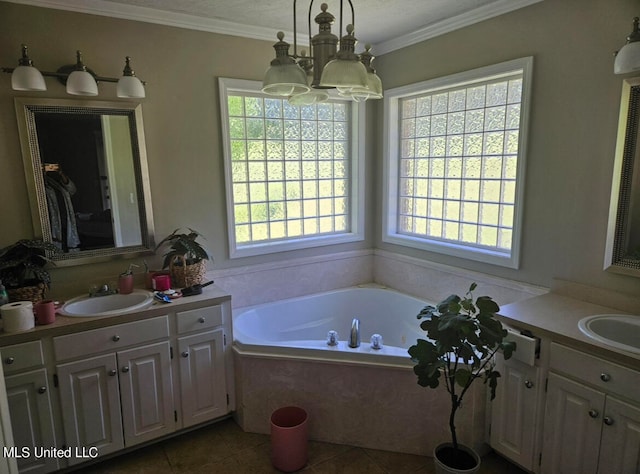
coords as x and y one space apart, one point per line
448 460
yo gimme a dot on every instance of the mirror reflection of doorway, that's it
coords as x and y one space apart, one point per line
73 144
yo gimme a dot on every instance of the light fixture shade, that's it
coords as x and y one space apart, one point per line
81 83
284 80
313 96
27 78
627 59
372 91
130 87
344 73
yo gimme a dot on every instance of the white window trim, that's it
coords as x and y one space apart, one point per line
357 182
391 164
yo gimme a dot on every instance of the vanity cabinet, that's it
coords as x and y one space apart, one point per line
592 415
203 385
122 396
515 411
29 404
93 391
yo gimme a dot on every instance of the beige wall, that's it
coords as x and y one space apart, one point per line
570 154
574 116
182 124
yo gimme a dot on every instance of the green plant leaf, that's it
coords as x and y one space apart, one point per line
463 377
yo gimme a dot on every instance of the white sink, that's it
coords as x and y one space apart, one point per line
617 330
110 305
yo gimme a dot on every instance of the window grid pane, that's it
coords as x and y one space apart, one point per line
290 170
458 158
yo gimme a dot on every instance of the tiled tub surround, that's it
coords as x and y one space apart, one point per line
355 396
374 407
261 283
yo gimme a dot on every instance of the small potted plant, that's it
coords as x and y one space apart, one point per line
22 269
186 258
463 337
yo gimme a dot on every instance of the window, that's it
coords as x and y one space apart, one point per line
454 164
294 175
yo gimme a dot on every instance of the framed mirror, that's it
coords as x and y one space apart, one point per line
86 170
622 254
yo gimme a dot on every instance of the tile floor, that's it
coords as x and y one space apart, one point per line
224 448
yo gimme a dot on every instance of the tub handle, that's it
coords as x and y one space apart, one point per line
332 338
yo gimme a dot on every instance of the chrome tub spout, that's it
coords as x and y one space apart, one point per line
354 334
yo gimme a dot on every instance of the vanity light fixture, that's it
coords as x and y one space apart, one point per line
304 79
79 79
628 58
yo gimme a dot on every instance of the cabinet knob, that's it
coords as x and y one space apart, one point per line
201 320
112 372
42 390
9 360
608 420
605 377
125 369
594 413
185 354
528 383
115 338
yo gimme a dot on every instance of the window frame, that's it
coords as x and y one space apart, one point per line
391 162
356 179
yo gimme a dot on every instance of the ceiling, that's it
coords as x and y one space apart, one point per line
386 24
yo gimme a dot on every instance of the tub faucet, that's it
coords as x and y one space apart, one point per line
354 334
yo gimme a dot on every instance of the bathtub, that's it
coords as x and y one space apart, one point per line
298 327
359 397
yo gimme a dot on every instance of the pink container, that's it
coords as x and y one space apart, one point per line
45 312
161 282
289 439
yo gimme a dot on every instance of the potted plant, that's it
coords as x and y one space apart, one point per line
186 258
462 340
22 269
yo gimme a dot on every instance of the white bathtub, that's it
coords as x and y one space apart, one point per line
358 397
298 327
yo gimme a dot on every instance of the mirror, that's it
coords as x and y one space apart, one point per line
622 253
86 169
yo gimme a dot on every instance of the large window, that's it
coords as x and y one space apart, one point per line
293 174
454 164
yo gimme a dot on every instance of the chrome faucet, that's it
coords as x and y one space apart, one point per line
354 334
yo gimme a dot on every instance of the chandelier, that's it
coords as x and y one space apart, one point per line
305 79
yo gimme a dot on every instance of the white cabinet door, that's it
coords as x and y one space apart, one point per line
514 411
147 392
202 377
620 448
30 408
572 427
90 400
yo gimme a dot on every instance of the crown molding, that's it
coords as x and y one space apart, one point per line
448 25
212 25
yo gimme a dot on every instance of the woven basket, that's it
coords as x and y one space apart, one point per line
27 293
183 275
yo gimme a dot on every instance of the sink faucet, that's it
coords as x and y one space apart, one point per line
354 334
103 290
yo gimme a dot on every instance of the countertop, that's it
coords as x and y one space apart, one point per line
556 317
211 295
